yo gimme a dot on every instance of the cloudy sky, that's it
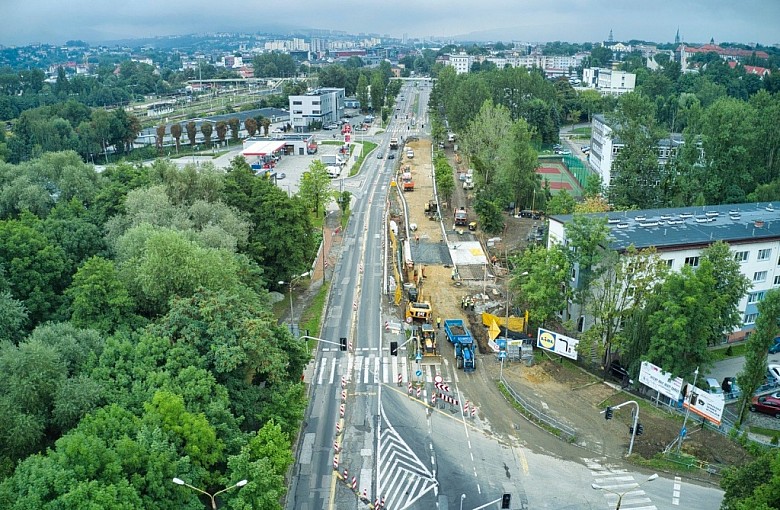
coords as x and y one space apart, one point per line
55 21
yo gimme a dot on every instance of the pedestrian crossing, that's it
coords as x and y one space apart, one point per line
402 478
369 367
618 486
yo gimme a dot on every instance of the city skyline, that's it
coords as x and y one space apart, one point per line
749 21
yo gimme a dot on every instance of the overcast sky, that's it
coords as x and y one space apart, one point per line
55 21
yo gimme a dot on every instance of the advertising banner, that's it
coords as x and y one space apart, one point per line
706 405
557 343
662 382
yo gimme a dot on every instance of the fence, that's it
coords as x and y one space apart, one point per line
535 414
577 168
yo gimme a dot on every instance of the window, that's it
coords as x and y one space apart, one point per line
750 318
297 103
692 261
573 274
764 254
741 256
755 297
759 276
777 281
670 263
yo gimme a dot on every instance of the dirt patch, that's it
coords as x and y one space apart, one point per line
576 398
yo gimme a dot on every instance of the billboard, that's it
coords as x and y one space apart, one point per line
706 405
557 343
662 382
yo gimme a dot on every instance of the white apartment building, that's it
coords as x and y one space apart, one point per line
325 105
608 81
679 236
605 146
461 62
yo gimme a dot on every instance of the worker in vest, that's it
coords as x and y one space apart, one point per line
438 322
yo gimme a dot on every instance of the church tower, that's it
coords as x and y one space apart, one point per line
677 37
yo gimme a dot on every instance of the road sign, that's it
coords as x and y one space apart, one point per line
438 379
683 432
418 373
408 320
418 357
706 405
502 355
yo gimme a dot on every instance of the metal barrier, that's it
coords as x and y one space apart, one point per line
559 428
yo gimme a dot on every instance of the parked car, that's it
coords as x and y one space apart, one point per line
766 405
281 176
775 346
711 386
391 156
731 388
773 372
619 372
379 155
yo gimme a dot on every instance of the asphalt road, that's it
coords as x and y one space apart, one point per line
399 449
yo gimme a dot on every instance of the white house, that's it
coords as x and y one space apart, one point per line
325 105
680 234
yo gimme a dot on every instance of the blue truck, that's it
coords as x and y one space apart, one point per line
460 337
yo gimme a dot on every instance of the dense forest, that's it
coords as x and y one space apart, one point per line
136 334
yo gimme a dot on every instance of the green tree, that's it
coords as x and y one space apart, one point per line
206 129
222 129
635 169
587 235
753 486
99 299
537 277
13 317
34 266
362 92
315 186
767 329
625 283
250 125
377 91
192 132
176 134
561 203
516 164
484 136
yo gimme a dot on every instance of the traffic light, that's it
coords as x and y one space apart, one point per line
640 429
608 413
631 429
343 343
394 348
505 500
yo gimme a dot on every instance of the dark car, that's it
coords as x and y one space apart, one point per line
775 346
619 372
766 405
391 156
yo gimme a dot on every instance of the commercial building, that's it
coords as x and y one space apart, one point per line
680 234
325 106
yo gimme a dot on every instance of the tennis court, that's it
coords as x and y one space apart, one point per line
555 172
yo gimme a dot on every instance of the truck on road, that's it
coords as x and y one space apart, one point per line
461 339
461 217
393 143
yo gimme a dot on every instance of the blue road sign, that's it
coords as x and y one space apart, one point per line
683 431
502 355
418 373
419 357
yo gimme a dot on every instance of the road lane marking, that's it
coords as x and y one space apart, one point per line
332 370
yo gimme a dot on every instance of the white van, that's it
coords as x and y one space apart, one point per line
409 153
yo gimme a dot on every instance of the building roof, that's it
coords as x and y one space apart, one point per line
729 52
263 148
681 227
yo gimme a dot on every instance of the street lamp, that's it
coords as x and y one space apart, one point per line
462 497
621 494
179 481
291 283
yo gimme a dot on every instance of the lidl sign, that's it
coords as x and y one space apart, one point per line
557 343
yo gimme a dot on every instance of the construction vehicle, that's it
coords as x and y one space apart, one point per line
426 337
461 338
419 310
461 217
432 210
406 180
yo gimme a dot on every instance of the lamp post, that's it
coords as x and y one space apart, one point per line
462 497
621 494
291 283
179 481
687 413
